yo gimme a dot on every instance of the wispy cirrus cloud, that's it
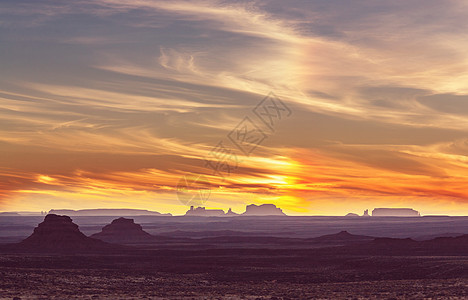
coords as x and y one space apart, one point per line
122 97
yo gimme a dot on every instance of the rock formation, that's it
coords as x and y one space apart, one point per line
60 234
230 213
9 214
263 210
203 212
395 212
250 210
123 231
107 212
352 215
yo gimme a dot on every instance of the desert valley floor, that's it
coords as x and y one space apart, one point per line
236 258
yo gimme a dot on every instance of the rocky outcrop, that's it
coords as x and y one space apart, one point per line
107 212
352 215
263 210
123 231
203 212
9 214
230 213
59 234
250 210
395 212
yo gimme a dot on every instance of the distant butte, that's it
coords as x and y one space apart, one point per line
263 210
250 210
9 214
123 231
395 212
107 212
203 212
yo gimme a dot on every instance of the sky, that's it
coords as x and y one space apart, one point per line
319 107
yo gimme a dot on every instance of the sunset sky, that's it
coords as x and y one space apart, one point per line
108 104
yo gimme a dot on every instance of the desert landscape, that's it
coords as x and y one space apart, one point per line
234 261
233 149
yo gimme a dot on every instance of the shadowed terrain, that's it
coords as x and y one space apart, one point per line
61 262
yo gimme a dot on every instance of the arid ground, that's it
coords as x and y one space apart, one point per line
239 258
232 275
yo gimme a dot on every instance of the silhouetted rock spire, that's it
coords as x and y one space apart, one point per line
231 213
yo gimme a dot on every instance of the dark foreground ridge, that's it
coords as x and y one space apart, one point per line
342 236
452 246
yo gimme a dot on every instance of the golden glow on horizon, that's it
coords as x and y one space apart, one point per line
120 114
